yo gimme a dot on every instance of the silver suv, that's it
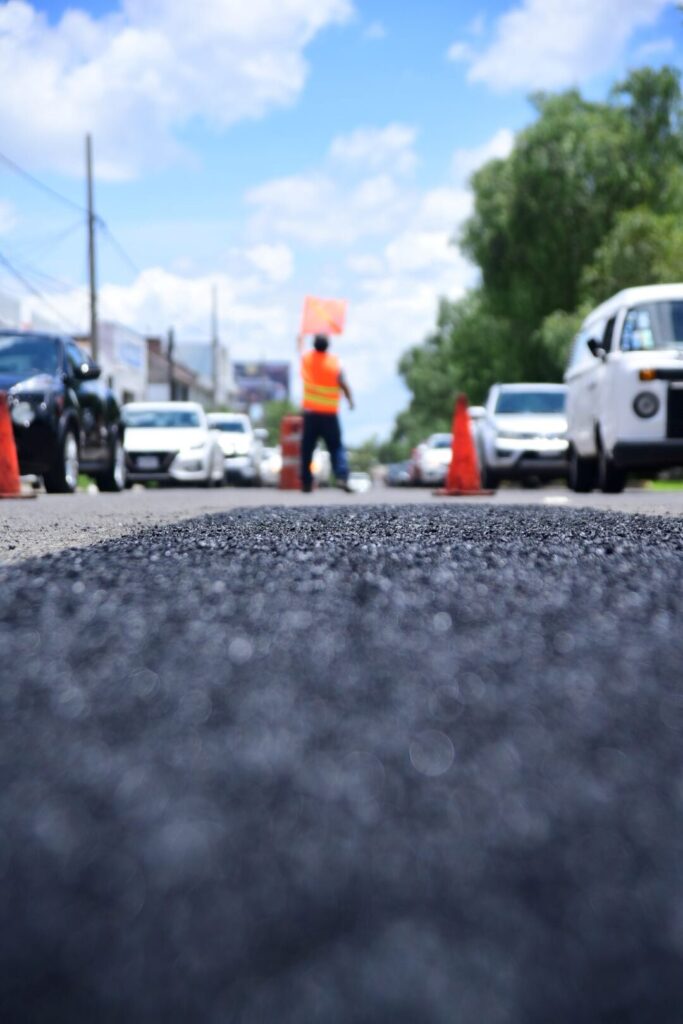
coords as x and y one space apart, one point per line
523 434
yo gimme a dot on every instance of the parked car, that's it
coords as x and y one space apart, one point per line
321 467
625 381
397 474
429 462
66 420
242 446
171 441
359 483
523 436
271 464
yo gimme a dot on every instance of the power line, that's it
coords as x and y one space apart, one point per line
40 184
119 248
44 242
34 291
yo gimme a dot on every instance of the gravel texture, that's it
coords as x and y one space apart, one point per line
345 765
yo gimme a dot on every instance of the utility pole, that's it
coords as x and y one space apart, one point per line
92 272
170 352
215 346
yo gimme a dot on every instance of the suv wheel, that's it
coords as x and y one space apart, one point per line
489 479
63 477
611 478
115 477
582 473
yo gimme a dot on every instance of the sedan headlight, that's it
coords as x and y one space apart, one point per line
23 413
646 405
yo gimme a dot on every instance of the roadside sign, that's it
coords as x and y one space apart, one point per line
323 316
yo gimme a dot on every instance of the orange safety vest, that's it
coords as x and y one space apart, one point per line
320 372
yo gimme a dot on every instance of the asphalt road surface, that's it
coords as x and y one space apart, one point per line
54 522
340 764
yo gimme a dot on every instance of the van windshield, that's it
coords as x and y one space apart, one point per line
653 325
543 403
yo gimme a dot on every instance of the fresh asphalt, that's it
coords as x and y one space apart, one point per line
346 764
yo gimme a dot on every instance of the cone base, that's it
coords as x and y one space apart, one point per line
444 492
21 496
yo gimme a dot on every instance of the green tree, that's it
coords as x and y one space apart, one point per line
272 416
540 214
643 247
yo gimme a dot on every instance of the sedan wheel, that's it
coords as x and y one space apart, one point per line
63 477
115 478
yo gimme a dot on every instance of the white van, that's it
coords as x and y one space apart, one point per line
625 389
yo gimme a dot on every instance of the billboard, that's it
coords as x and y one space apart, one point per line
261 382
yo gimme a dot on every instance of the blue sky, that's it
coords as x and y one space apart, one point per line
280 148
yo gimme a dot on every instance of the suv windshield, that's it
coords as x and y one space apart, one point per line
160 418
544 403
229 426
653 325
27 356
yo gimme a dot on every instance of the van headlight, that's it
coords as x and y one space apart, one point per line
646 405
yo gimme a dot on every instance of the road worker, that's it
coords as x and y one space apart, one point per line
324 384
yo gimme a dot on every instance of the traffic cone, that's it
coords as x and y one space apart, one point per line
463 478
10 484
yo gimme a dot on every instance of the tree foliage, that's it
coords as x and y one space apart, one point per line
590 200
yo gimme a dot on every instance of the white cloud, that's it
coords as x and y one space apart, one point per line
376 30
275 261
159 298
318 210
391 148
655 48
467 161
549 44
477 25
8 217
460 51
138 74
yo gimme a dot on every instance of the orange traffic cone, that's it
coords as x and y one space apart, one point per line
10 485
463 477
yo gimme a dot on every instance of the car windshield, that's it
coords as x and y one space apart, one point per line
229 426
441 441
543 403
160 418
26 356
653 325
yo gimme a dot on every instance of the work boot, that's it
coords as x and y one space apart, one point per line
344 485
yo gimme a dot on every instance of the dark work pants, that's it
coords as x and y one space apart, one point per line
322 426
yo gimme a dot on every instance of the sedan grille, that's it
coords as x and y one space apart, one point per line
139 461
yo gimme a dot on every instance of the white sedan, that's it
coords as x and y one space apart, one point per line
171 441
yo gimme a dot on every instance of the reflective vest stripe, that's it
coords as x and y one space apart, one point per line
328 401
323 388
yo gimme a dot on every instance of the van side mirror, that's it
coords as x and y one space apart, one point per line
596 349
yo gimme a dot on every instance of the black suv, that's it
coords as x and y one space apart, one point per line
65 419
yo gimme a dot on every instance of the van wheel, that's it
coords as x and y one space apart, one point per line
611 478
582 475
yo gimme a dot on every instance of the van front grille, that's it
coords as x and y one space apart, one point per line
674 418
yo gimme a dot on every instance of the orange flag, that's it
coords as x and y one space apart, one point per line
323 316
